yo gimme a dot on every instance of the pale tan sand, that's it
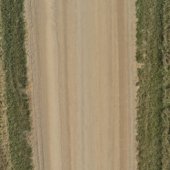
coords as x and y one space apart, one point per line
82 62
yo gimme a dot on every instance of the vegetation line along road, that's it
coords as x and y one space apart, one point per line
153 96
4 138
153 108
15 100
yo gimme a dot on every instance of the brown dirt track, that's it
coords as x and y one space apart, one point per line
82 73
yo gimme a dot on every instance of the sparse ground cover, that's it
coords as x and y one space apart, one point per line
13 59
153 111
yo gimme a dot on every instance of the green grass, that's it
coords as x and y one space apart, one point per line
153 121
14 57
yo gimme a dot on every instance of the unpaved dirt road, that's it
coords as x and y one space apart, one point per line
82 75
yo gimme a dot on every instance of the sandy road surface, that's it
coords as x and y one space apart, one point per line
82 72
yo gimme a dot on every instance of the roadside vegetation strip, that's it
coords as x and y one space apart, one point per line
5 161
14 58
150 95
166 113
4 140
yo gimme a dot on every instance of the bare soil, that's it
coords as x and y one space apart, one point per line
83 74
